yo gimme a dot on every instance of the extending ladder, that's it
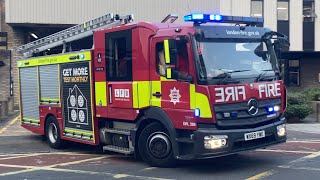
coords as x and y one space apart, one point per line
71 34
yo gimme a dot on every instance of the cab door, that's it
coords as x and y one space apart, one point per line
172 80
119 74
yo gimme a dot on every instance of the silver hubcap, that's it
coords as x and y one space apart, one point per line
159 145
53 133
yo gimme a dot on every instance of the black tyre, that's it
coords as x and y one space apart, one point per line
155 146
53 133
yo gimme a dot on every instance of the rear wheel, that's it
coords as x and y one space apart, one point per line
53 133
155 146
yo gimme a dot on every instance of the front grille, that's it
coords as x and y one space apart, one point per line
243 118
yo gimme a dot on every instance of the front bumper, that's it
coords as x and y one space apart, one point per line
235 142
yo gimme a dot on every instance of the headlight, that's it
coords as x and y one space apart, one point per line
215 141
281 130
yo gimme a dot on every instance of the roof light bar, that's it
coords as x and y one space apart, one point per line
199 18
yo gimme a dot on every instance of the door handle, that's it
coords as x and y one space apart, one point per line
157 94
110 93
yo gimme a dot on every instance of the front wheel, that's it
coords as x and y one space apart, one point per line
53 133
155 146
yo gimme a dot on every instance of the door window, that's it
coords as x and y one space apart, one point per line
119 56
181 67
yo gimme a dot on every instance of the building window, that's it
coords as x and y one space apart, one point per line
283 10
294 73
257 8
309 11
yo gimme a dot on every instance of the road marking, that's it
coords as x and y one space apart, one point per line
300 168
14 157
35 168
148 168
305 141
46 153
311 156
311 149
117 176
16 172
49 168
9 124
262 175
104 173
54 168
285 151
18 166
80 161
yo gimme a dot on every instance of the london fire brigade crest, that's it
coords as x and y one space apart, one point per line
77 106
174 95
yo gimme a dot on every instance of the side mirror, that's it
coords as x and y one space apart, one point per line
190 79
182 39
259 51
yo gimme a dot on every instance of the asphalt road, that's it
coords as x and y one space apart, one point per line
24 155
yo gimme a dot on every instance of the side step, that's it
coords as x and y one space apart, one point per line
117 131
118 149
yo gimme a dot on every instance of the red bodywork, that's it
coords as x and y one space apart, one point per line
144 38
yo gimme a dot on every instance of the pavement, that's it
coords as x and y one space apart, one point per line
24 155
305 128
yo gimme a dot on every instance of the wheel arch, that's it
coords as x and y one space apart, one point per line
46 120
155 114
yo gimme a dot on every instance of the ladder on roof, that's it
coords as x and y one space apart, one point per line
73 33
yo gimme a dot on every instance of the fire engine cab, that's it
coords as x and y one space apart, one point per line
161 91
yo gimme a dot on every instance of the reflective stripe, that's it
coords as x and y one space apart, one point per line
31 119
156 87
19 93
168 73
141 94
165 79
55 59
192 96
203 104
38 79
69 130
91 99
166 51
101 93
49 99
135 95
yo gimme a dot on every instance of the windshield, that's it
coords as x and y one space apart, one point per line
234 59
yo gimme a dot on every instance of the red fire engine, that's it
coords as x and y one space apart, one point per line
161 91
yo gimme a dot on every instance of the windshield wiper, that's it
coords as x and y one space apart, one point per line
263 73
228 74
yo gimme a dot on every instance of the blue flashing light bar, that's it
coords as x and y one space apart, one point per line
199 18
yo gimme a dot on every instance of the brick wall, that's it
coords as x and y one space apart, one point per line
16 37
309 74
4 75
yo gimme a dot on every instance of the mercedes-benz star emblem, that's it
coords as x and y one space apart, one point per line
253 107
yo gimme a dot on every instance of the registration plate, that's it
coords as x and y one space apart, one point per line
254 135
